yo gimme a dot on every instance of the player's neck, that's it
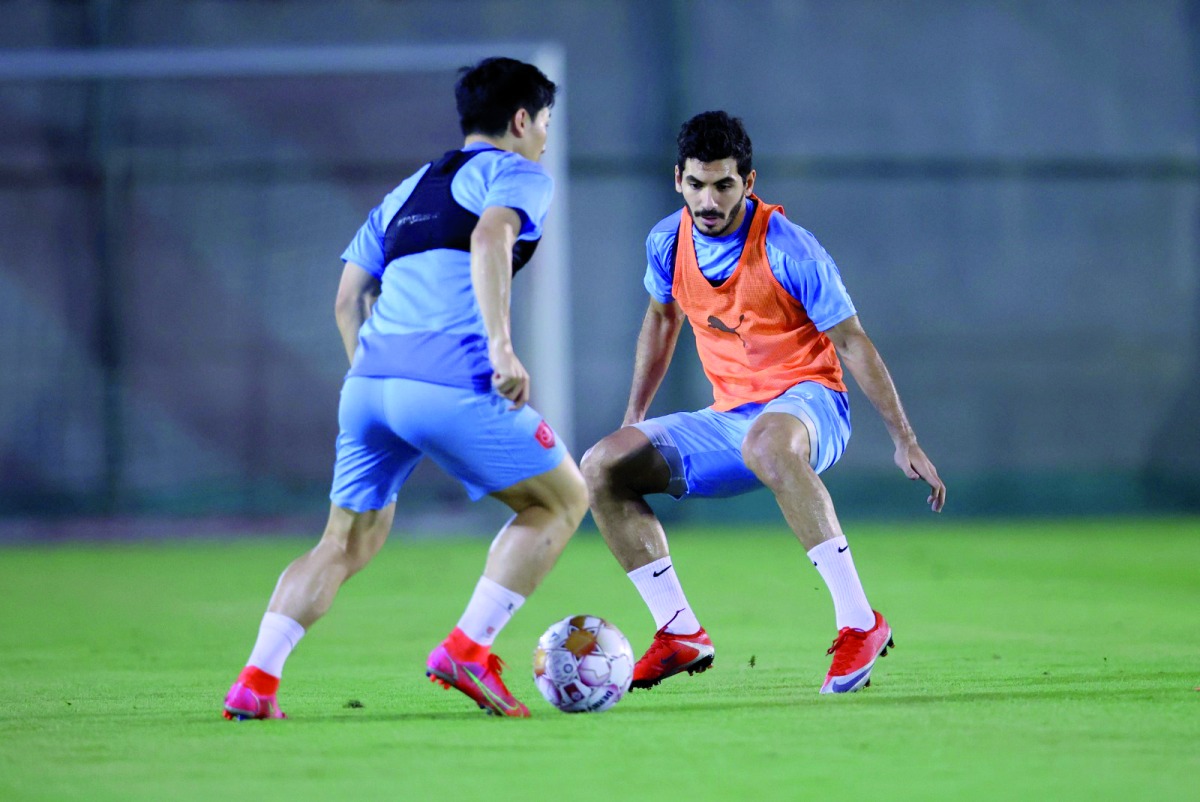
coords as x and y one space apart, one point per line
500 142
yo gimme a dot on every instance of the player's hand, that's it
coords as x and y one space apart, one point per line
509 377
912 460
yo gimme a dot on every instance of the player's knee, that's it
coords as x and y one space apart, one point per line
353 539
354 553
623 466
564 495
773 451
575 498
601 466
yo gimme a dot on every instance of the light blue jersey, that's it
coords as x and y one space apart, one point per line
797 260
420 383
426 323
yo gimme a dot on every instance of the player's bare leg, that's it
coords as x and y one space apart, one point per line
777 449
548 509
304 593
620 471
306 589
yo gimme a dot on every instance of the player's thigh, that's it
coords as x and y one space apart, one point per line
824 414
372 461
482 442
776 441
626 460
703 450
560 489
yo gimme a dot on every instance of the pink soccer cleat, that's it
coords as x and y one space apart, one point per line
242 704
253 696
854 652
670 654
480 681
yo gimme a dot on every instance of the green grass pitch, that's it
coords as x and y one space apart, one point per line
1034 660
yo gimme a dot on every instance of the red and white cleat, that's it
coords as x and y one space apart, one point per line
854 652
670 654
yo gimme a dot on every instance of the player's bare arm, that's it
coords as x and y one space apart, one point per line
655 346
491 277
356 296
862 360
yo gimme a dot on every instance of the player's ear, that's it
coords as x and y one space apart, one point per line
750 181
519 122
678 180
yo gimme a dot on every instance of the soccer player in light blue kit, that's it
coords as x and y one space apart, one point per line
423 310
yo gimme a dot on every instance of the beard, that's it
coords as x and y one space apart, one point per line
728 219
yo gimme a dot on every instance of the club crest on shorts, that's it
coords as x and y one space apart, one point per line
544 435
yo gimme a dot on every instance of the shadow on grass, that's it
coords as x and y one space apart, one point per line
1155 686
1148 686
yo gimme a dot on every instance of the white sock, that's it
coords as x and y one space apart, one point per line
490 608
663 594
850 606
277 636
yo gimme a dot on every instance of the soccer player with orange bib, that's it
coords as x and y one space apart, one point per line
774 326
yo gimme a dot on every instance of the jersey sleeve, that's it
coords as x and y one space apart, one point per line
817 285
808 273
524 187
660 255
366 249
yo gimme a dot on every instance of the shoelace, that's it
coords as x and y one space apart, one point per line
662 647
494 666
843 654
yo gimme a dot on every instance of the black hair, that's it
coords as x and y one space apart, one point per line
491 92
714 135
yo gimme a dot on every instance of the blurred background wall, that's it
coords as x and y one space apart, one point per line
1009 188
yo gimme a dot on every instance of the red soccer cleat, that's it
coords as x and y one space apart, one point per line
854 652
480 681
670 654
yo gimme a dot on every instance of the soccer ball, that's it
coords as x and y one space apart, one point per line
583 664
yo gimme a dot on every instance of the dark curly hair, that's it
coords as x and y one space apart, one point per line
491 92
714 135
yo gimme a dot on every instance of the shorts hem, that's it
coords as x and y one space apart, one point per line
366 506
660 438
476 492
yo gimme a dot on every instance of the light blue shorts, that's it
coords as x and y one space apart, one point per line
704 448
387 425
